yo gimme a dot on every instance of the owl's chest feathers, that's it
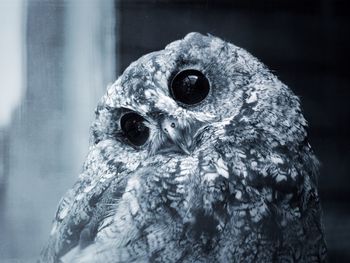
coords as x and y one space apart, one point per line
212 188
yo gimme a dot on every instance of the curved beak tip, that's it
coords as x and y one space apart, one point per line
183 144
180 136
185 149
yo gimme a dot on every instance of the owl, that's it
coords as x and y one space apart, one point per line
198 153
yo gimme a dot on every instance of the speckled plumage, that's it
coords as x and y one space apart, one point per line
246 191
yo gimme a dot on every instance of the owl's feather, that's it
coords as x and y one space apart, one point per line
234 181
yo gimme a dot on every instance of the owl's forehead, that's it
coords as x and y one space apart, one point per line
144 85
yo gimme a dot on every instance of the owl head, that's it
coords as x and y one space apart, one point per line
197 146
196 91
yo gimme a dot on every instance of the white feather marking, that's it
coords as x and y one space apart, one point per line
253 97
221 167
242 155
223 172
238 195
149 94
89 188
276 159
131 188
280 178
181 178
80 196
210 176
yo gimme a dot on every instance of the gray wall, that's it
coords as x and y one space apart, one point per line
70 59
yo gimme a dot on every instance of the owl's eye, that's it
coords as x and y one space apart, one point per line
134 128
190 86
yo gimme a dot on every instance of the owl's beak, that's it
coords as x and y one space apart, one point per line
179 135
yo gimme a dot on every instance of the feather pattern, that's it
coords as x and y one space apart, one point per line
229 179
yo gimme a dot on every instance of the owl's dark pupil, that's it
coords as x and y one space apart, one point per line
190 86
133 127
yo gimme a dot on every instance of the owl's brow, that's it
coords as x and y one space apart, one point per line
208 67
109 94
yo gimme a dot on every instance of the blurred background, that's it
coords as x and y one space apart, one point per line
58 56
